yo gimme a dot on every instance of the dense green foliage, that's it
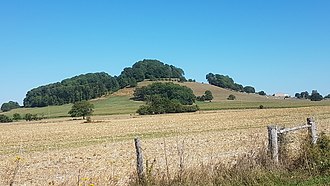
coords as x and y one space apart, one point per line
157 104
33 117
81 109
17 117
262 93
327 97
171 91
165 98
208 96
302 95
249 89
5 107
5 119
227 83
82 87
315 96
223 82
148 69
231 97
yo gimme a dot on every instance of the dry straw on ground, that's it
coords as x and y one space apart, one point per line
67 152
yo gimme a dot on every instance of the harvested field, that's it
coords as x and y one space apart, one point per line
65 151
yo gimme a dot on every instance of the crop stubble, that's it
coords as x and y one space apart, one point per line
63 150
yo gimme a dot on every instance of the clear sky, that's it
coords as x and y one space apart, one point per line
275 46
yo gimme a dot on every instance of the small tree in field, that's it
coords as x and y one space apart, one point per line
208 95
231 97
81 108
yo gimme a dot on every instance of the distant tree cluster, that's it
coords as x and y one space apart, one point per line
315 96
227 83
82 87
208 96
327 97
165 98
5 107
5 119
148 69
33 117
262 93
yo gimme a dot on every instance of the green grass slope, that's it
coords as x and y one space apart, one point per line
120 102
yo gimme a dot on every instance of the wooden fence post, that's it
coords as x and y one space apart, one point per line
312 130
139 158
273 142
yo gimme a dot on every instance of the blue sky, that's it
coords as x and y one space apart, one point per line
275 46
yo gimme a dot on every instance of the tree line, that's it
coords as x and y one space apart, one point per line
82 87
314 96
224 81
94 85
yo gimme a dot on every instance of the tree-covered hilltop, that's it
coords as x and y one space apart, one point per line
227 83
82 87
94 85
148 69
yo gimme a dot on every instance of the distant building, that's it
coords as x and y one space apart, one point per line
281 95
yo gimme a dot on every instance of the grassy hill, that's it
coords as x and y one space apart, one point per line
120 102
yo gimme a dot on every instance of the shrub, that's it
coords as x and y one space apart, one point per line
5 119
170 91
32 117
17 117
28 117
231 97
158 105
315 158
261 107
200 98
254 168
262 93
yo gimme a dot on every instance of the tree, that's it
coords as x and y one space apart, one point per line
28 117
9 106
200 98
208 95
327 97
231 97
165 98
78 88
17 117
249 89
81 108
315 96
170 90
5 119
304 95
262 93
297 95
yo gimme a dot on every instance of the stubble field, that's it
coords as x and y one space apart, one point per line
70 152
